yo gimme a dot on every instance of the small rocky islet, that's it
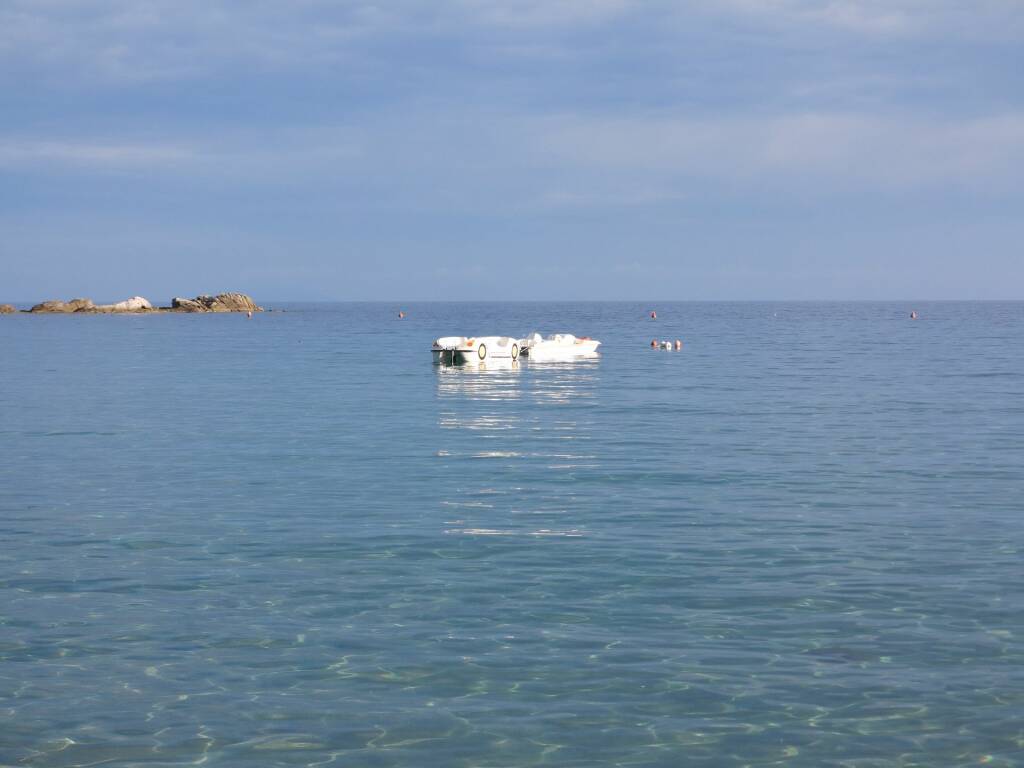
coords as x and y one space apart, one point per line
222 302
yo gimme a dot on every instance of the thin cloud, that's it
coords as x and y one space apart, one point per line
543 13
1001 18
841 148
573 160
123 41
15 153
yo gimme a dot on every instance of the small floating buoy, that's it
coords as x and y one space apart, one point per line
679 345
249 314
666 345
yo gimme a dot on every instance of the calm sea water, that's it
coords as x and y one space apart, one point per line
292 540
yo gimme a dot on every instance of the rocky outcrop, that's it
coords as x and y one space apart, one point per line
134 304
222 302
62 307
187 305
7 309
50 306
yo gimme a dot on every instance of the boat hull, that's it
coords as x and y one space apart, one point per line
459 350
561 349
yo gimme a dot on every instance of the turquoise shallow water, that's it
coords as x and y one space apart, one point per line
292 540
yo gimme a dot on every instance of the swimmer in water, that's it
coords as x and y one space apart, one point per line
654 343
913 314
679 345
654 315
401 314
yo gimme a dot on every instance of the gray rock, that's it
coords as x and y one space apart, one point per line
233 302
186 305
222 302
52 306
64 307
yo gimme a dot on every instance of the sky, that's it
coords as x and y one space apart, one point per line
517 149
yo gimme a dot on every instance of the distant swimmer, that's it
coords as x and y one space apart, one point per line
401 314
249 314
654 315
913 314
654 343
679 345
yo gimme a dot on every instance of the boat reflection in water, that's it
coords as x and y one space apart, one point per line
514 447
564 381
525 410
541 381
494 379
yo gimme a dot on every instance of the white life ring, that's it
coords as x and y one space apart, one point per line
515 351
481 351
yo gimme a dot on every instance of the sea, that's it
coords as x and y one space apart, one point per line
293 540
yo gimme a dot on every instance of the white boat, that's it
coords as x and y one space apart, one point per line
558 346
456 350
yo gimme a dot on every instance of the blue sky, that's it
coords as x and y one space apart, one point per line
525 149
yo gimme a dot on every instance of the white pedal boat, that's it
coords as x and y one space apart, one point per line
558 346
471 350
